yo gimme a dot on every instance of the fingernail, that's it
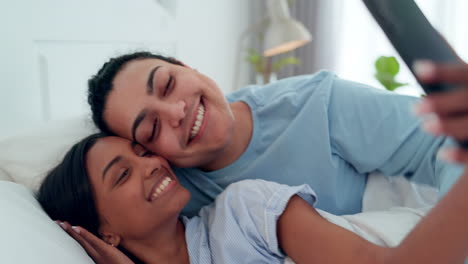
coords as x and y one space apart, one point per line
424 69
62 225
432 125
422 107
76 229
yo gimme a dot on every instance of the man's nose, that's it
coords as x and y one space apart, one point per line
175 112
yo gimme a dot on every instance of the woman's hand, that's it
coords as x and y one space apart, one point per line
97 249
451 108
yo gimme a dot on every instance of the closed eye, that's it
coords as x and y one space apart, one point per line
146 154
169 86
153 131
123 176
140 151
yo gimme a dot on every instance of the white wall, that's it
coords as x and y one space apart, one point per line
208 32
66 41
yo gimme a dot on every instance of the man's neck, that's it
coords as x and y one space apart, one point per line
242 134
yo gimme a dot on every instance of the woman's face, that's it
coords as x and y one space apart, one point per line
135 195
172 110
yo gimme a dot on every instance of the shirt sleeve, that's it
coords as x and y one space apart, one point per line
247 214
374 129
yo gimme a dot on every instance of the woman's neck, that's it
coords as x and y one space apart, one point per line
168 245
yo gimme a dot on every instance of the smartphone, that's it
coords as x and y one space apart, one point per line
413 37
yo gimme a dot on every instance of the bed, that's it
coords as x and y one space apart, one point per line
30 236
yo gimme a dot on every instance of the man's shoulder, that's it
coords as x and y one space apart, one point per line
301 85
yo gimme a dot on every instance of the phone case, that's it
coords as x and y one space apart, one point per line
413 37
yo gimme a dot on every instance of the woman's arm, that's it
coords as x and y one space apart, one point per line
307 237
441 237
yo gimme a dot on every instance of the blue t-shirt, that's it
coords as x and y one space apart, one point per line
240 227
328 133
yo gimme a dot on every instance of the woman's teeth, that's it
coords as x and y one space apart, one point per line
160 189
198 121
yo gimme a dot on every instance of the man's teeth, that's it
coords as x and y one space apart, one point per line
198 122
161 187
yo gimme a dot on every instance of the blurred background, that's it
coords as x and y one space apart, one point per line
50 48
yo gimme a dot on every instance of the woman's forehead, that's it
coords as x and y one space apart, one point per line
107 148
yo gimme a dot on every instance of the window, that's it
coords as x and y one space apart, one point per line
361 41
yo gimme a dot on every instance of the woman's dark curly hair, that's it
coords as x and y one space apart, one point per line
100 85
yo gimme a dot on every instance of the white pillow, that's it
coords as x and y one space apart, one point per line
4 176
28 235
28 157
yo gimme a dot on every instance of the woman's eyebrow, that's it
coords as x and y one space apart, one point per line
113 161
149 83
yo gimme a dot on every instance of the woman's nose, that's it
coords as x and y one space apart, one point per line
152 165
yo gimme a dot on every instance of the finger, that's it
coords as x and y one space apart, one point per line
430 72
83 242
454 155
452 73
461 156
94 241
444 104
456 127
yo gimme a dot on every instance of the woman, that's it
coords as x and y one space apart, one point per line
132 200
339 130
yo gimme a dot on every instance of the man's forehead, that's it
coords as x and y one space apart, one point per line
144 63
137 70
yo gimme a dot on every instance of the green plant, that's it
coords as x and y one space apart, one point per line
386 70
266 65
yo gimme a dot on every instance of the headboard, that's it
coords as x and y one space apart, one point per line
52 47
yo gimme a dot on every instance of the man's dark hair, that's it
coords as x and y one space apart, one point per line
66 193
100 85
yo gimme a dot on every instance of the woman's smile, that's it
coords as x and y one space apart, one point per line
164 184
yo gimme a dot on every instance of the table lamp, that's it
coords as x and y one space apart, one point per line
283 33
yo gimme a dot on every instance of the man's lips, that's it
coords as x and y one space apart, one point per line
195 129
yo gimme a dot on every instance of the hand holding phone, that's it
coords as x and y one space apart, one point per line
451 108
415 39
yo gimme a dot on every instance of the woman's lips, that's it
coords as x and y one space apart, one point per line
164 183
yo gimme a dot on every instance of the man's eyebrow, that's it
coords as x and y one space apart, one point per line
137 122
115 160
149 83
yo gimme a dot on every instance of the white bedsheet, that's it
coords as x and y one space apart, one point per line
392 206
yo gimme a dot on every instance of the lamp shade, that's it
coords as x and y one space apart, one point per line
283 32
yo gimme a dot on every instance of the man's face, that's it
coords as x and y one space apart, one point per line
172 110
